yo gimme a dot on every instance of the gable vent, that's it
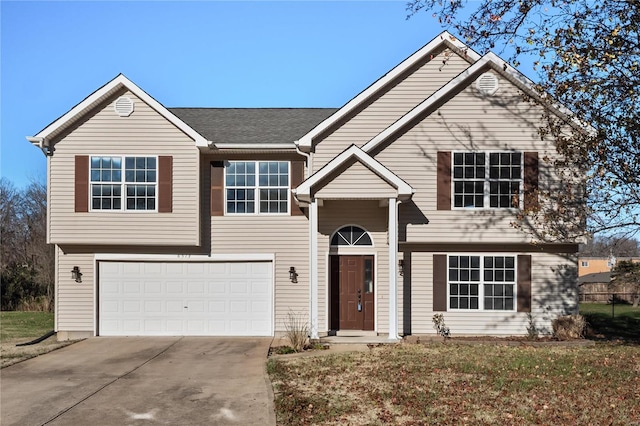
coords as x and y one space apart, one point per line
487 83
123 106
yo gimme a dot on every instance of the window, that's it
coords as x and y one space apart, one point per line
491 179
482 283
351 236
257 187
123 183
584 263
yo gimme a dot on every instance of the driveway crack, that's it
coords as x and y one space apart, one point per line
66 410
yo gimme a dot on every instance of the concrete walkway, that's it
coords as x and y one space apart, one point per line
123 381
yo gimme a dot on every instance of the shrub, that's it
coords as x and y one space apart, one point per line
297 331
569 327
532 330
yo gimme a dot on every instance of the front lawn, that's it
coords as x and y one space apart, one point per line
624 324
24 325
455 384
21 327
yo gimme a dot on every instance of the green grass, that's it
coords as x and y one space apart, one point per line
455 384
18 325
625 324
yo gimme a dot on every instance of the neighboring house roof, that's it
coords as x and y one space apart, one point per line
226 127
43 138
443 40
303 191
599 277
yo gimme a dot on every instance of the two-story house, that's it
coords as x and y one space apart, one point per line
365 219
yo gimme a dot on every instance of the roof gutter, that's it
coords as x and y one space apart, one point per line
41 143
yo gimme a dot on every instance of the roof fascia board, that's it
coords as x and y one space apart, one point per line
223 145
445 38
115 84
303 192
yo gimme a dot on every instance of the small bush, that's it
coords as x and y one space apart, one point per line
297 331
569 327
532 330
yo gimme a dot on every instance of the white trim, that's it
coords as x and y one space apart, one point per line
303 191
313 268
230 145
105 91
393 271
444 38
230 257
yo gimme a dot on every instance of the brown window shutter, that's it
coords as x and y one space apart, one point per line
217 188
524 283
444 181
165 184
531 180
439 282
297 176
82 183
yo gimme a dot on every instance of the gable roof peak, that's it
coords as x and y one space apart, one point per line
43 139
444 39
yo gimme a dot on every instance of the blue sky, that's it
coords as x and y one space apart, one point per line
191 54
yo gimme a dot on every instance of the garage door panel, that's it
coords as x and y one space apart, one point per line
181 298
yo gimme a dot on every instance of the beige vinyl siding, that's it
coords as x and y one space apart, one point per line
467 122
284 236
357 180
74 301
145 132
389 107
553 289
333 215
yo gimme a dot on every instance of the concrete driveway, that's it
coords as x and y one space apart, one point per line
142 380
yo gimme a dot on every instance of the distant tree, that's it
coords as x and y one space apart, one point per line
587 57
627 272
26 260
618 246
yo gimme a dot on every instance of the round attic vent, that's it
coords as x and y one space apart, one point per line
123 106
487 83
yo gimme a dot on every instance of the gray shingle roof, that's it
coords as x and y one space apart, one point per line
252 125
597 277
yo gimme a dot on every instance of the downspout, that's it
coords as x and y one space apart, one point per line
313 211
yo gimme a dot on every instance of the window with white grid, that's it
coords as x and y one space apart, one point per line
257 187
123 183
491 179
482 282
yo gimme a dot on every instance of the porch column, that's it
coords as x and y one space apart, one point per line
313 267
393 271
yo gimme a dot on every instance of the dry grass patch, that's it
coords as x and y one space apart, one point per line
454 384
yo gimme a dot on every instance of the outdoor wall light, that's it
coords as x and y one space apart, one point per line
401 267
293 275
76 274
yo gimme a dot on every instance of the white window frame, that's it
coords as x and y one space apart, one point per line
584 263
482 282
487 181
256 188
123 184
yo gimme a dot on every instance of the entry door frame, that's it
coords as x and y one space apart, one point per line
345 251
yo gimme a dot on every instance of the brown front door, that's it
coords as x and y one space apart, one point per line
353 308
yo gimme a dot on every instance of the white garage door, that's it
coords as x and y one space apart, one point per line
185 299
